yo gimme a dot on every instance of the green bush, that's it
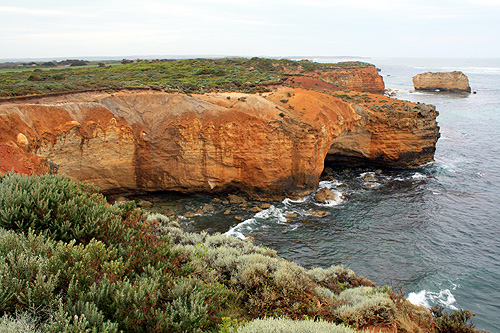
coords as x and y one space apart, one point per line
459 321
55 206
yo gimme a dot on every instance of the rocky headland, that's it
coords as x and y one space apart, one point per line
442 81
268 145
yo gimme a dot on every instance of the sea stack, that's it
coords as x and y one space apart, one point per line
442 81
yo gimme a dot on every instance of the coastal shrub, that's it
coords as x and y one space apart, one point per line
285 325
82 317
268 284
365 305
53 205
459 321
20 322
338 278
26 279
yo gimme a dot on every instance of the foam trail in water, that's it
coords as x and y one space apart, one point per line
236 231
427 298
271 212
289 201
418 176
251 224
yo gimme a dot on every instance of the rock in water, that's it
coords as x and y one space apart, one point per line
319 213
208 208
236 199
442 81
325 195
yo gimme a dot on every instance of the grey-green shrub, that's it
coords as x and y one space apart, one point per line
53 205
22 322
366 305
285 325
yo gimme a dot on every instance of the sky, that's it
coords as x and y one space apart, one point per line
278 28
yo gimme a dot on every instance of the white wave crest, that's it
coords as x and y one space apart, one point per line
271 212
237 230
289 201
418 176
256 222
428 298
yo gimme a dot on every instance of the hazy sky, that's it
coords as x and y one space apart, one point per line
372 28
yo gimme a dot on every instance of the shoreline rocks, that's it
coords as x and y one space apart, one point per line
325 195
442 81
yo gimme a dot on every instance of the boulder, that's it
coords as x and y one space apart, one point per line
442 81
255 209
168 212
145 204
368 177
208 208
189 214
236 199
325 195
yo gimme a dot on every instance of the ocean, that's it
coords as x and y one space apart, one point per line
431 232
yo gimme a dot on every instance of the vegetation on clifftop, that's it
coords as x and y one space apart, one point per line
70 262
187 76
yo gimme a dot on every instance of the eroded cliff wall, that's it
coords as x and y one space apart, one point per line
270 146
365 79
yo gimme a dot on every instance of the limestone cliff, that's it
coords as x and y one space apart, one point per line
442 81
365 79
269 146
388 132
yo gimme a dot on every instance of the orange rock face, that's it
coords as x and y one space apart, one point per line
388 133
268 146
364 79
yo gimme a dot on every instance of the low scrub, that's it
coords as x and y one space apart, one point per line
185 76
293 326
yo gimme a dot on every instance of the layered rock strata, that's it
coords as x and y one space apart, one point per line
442 81
365 79
387 133
268 146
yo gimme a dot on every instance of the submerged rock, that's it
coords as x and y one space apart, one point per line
319 213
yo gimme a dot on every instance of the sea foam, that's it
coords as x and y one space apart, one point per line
256 222
427 299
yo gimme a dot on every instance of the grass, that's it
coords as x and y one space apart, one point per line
187 76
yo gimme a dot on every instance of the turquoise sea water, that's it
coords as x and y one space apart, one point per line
434 231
